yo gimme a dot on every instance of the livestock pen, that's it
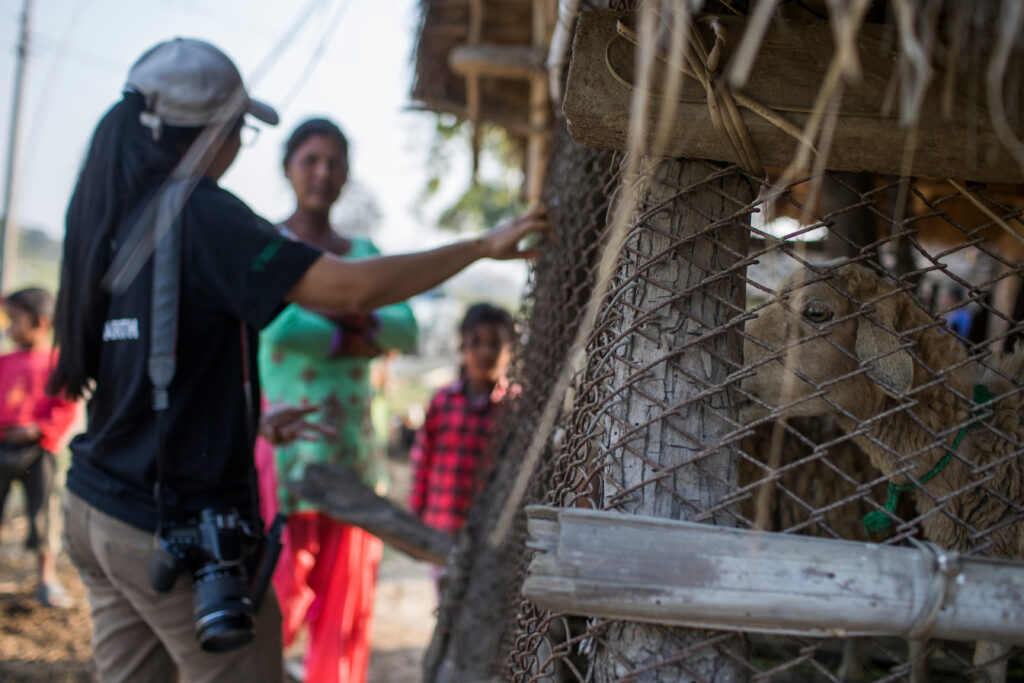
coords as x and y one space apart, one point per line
782 308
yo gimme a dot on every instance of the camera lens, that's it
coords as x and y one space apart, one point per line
223 611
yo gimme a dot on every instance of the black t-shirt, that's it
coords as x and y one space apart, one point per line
235 267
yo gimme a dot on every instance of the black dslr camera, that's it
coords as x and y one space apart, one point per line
231 565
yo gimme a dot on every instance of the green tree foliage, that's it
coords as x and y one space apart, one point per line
481 206
493 194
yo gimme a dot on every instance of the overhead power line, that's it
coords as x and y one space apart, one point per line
315 56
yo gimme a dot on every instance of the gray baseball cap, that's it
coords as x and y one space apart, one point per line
189 82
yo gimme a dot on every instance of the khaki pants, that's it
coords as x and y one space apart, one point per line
142 635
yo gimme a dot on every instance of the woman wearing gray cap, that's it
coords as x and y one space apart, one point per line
160 513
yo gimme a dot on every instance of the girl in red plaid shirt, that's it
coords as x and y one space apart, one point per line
447 456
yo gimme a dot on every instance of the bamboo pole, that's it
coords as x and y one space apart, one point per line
540 110
473 103
603 564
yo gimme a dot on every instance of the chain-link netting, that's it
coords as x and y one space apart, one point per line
833 358
803 432
482 585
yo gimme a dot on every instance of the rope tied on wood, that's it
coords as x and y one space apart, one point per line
723 100
702 65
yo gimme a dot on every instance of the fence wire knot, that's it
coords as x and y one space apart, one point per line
946 571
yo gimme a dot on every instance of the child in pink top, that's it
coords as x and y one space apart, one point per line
32 426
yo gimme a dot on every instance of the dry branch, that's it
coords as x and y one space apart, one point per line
345 497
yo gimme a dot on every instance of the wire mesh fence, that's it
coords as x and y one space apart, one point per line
834 358
803 432
485 578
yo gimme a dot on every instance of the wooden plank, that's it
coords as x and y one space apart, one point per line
786 76
345 497
604 564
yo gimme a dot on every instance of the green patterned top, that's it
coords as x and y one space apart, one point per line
296 366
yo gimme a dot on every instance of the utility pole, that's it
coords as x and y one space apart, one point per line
9 233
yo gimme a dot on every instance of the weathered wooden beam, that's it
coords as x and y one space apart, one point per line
497 61
786 76
345 497
605 564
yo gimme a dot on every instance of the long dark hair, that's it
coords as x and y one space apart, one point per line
311 128
35 301
123 161
487 314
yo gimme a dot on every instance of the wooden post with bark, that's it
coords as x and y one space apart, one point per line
686 243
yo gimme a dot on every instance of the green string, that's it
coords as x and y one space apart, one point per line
877 520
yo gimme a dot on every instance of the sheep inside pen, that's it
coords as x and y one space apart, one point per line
840 340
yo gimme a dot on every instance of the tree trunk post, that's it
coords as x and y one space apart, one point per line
670 411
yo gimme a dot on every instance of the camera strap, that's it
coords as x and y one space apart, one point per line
250 414
163 339
163 331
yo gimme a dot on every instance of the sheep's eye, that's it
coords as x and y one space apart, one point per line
817 314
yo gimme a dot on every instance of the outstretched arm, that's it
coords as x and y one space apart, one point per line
361 286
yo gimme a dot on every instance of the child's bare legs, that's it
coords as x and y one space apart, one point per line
47 567
50 591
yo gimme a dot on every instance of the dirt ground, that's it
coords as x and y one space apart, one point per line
46 644
39 643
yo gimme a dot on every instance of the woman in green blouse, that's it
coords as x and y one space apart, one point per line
327 570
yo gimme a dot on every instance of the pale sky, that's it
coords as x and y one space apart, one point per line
80 52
